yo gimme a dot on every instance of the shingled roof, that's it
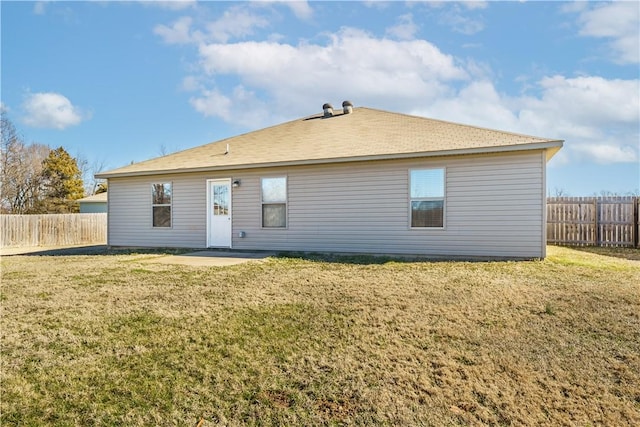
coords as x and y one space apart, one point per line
362 134
96 198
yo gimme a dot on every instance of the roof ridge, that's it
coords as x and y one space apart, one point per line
449 122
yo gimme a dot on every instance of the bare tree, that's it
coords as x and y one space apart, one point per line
613 194
97 185
88 171
83 166
559 192
163 150
21 175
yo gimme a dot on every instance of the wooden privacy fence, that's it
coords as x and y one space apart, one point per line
53 230
594 221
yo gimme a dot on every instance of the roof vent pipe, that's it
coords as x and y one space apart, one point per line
347 107
328 110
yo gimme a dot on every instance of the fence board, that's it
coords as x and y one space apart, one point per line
594 221
53 230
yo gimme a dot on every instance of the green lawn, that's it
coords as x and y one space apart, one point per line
110 339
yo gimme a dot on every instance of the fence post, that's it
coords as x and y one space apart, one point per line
596 222
38 230
635 230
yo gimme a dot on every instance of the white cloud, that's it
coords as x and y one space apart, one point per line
191 84
351 63
475 4
593 99
50 110
212 103
276 81
349 56
241 106
574 6
39 7
170 4
178 33
301 9
477 103
461 23
619 22
378 4
461 17
607 153
598 118
405 29
236 22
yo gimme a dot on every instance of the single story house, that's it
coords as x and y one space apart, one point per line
93 204
356 180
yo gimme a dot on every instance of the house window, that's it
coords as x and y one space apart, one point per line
427 197
274 202
161 204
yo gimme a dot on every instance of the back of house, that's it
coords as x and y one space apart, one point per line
349 180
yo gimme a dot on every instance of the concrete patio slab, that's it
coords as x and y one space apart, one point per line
212 258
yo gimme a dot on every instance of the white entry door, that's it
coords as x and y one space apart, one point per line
219 213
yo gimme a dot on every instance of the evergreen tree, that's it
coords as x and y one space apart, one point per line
62 182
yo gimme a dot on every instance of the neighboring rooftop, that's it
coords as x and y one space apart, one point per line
96 198
349 134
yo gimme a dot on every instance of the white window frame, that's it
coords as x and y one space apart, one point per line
154 205
429 199
285 202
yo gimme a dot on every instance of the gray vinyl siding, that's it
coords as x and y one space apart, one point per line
494 206
130 213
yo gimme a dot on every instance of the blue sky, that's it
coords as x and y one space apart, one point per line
116 82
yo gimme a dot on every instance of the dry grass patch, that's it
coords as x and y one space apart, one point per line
110 340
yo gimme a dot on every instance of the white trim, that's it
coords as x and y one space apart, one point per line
444 198
543 165
286 202
154 227
108 220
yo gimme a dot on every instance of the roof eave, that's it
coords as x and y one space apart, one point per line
551 148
